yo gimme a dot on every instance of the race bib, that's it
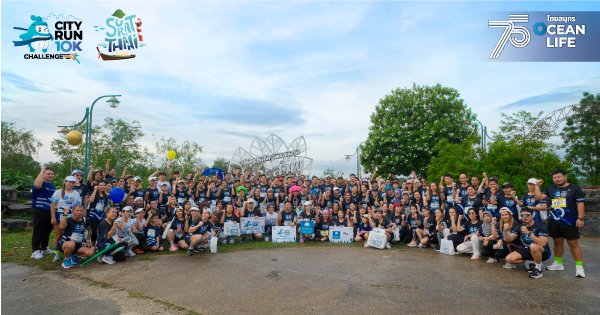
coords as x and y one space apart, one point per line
324 233
227 199
178 234
100 207
450 199
151 233
262 194
180 200
491 206
263 208
77 237
559 203
435 205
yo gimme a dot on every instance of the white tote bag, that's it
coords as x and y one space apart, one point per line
447 247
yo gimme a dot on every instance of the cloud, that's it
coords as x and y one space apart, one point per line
66 90
21 82
8 100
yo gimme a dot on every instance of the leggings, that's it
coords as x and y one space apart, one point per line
94 225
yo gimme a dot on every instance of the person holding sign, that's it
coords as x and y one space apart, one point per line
72 243
288 217
249 211
306 215
176 234
227 216
199 231
271 220
63 198
322 227
363 229
382 223
565 219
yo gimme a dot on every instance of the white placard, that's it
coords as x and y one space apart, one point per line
284 234
338 234
252 225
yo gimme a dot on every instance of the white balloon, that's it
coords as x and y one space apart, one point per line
160 160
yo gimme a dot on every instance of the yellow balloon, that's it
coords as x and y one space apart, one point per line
171 154
74 137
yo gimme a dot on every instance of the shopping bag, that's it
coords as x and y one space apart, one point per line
396 234
133 241
213 244
447 247
377 238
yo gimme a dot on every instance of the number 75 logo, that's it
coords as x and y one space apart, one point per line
510 29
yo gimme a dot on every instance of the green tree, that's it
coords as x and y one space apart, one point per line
222 164
331 171
18 148
186 159
519 125
408 123
581 138
456 158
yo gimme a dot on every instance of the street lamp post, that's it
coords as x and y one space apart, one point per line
484 134
357 158
119 140
112 102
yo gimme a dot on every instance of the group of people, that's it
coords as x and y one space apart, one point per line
480 217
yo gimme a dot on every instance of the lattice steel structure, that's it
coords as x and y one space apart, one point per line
545 126
275 157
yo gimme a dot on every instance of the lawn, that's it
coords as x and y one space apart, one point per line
16 248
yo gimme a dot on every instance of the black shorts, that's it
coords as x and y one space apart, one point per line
77 247
526 254
559 230
362 237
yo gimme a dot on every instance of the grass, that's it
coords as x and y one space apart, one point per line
16 248
18 216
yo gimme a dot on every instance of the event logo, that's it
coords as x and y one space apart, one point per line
67 37
559 36
509 30
123 34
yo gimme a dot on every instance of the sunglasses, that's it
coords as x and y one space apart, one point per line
524 215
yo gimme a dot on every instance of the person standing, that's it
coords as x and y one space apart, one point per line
42 190
565 219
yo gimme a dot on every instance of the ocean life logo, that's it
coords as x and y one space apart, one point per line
68 37
123 33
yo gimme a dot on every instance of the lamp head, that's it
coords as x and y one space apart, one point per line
64 131
113 102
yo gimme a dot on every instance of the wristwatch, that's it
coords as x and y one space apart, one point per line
580 219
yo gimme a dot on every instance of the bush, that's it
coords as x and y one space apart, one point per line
16 179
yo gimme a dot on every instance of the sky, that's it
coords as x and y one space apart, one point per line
222 73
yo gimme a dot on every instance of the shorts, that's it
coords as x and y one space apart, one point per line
77 246
526 254
560 230
362 236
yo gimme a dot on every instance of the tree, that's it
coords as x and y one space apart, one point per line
456 158
408 123
18 148
581 138
186 160
331 171
104 146
222 164
518 125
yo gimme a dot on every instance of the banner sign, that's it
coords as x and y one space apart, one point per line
338 234
307 227
231 228
284 234
252 225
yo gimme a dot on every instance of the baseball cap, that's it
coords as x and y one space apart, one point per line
139 210
269 189
507 185
378 210
76 171
396 181
153 178
336 188
137 178
532 181
128 177
180 181
325 211
250 200
306 203
137 198
388 187
127 208
70 178
194 209
505 209
409 181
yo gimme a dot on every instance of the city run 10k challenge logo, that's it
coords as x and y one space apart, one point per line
66 41
123 35
547 36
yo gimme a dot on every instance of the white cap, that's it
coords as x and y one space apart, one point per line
153 178
306 203
137 198
194 209
70 179
128 208
532 181
336 188
250 200
139 210
137 178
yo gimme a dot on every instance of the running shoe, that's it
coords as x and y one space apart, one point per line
555 266
74 259
530 267
231 240
388 245
475 257
266 238
138 251
412 244
509 266
420 245
579 272
492 260
302 240
56 257
243 240
67 263
173 248
47 251
108 259
37 254
190 252
535 273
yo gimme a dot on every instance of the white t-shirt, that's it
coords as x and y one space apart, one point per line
70 199
128 224
134 222
271 218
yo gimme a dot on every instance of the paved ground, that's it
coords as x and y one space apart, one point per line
349 279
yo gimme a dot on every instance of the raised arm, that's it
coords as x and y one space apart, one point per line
40 178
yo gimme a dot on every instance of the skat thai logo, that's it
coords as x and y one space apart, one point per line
37 36
123 34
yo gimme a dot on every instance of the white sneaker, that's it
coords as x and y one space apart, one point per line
555 266
579 272
366 244
129 253
412 244
432 245
509 266
388 245
266 238
47 251
108 259
37 254
492 260
420 245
